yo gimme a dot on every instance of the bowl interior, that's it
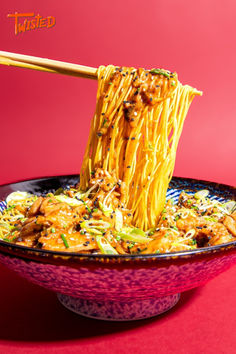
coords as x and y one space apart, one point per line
45 185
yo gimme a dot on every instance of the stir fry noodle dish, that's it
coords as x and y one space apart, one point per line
120 206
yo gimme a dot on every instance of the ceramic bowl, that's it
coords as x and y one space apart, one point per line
118 287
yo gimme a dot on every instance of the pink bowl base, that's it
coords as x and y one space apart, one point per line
119 311
121 293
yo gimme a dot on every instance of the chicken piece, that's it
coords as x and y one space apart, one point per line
230 223
33 225
233 215
30 240
161 243
30 228
186 200
34 209
190 222
76 242
217 233
51 204
202 239
207 233
114 243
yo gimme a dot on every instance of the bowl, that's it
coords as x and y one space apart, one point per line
118 287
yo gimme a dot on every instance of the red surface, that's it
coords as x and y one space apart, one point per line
44 126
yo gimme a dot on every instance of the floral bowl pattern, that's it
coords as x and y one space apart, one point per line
118 287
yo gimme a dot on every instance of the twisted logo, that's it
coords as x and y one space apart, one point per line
29 21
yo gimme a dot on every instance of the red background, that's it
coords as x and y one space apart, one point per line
45 117
44 126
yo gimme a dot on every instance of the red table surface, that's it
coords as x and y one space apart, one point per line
44 124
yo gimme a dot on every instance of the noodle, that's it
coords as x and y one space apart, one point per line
119 206
135 133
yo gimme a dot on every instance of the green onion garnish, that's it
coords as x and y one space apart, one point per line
87 207
159 72
104 122
65 240
105 246
10 207
133 235
131 245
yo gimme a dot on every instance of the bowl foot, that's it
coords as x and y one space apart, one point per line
119 310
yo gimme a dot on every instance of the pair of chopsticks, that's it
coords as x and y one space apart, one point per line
48 65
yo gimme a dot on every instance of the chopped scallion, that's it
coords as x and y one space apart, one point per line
65 240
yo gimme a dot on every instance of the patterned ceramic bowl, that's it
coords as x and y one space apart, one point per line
118 287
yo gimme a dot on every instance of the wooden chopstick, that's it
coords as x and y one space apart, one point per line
48 65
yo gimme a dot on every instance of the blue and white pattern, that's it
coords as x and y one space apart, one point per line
3 206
